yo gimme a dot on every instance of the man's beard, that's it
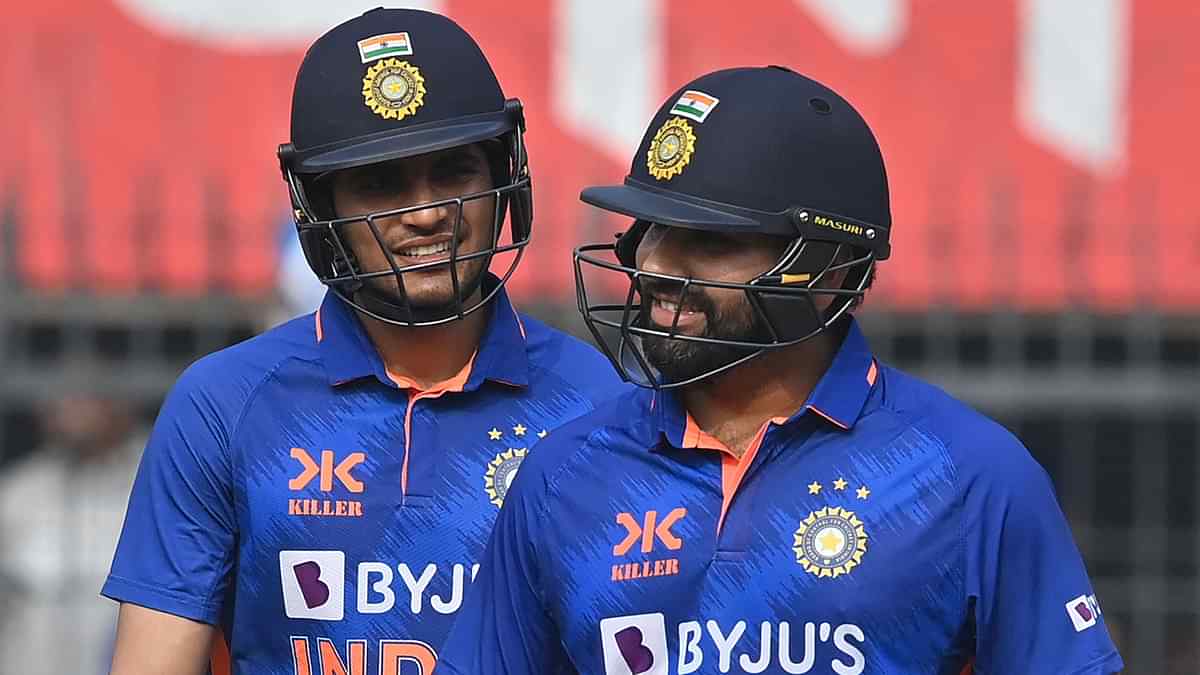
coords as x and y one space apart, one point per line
681 360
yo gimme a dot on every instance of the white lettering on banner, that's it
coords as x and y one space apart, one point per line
1072 77
869 26
592 42
1071 86
235 23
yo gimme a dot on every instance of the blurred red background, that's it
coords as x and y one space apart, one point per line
134 158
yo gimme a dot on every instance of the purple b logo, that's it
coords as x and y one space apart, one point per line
1084 611
637 656
315 591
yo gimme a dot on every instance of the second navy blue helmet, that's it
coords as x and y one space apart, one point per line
748 150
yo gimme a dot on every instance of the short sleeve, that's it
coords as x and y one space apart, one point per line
504 627
1034 608
176 548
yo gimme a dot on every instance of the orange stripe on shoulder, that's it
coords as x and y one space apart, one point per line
320 333
220 660
829 418
872 373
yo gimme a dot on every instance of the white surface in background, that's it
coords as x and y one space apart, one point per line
253 23
608 70
867 26
1073 73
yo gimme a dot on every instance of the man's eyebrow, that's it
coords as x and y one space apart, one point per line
459 154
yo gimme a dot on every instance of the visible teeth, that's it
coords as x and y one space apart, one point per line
671 307
431 249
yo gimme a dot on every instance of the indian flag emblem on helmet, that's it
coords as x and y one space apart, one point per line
694 105
393 89
378 46
671 149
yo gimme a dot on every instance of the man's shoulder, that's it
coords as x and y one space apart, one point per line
572 360
228 376
977 444
592 437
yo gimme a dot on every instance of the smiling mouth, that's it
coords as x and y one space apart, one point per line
672 306
423 251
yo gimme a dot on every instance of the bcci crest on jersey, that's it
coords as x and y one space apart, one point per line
830 542
500 473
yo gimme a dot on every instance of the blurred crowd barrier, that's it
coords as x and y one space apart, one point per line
1046 242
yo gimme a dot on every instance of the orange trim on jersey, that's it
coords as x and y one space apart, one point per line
455 383
520 323
733 468
219 662
872 373
968 669
320 333
831 420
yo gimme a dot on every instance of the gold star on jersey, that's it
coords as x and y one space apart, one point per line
830 542
500 474
393 89
671 149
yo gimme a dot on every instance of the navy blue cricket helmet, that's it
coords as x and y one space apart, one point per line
747 150
390 84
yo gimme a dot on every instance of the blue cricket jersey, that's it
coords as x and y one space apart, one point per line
884 528
327 516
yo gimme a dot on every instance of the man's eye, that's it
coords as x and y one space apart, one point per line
715 241
372 184
459 170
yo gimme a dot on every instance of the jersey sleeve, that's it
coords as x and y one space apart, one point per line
504 627
1034 608
175 553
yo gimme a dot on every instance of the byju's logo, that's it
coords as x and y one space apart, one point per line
635 645
1083 611
313 584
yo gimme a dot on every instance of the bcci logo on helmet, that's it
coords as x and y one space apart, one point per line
671 149
393 89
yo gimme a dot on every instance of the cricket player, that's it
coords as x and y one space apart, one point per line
775 500
315 500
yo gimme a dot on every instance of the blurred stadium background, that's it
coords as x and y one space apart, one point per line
1047 243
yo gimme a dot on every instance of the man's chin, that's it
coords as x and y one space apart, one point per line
429 290
679 360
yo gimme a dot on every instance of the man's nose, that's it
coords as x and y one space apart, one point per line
420 192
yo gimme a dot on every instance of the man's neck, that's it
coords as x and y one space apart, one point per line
734 405
429 354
